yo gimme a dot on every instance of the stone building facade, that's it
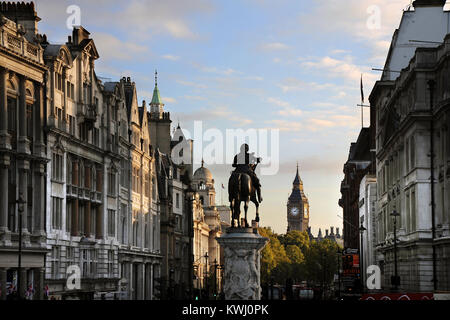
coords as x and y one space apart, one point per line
412 124
23 159
210 222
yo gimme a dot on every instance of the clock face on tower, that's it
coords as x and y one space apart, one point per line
295 211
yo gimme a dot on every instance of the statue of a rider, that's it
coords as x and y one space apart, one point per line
246 162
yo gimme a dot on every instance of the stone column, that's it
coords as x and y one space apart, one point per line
23 146
140 281
2 284
51 121
24 167
39 202
242 247
64 88
38 112
75 201
38 283
5 140
23 281
151 282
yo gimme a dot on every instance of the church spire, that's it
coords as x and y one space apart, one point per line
156 104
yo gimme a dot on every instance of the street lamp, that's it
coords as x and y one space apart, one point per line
361 257
339 256
206 276
20 204
395 280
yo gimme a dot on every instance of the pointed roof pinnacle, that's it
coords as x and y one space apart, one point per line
156 100
297 179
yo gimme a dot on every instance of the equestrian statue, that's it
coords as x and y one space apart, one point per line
244 186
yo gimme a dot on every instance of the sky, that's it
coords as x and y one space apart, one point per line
291 65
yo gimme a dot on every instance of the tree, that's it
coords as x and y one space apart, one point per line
274 260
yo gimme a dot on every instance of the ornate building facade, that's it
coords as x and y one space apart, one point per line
23 160
413 172
297 207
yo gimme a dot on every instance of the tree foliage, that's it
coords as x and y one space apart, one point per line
294 256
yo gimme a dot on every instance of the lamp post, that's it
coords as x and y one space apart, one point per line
395 280
206 276
361 256
20 203
339 257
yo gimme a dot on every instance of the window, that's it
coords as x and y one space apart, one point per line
56 213
111 223
88 261
59 116
55 262
93 221
93 263
57 167
112 183
81 220
413 153
153 189
111 263
123 218
177 203
147 185
96 137
84 134
59 82
12 118
29 122
69 216
70 90
71 125
124 174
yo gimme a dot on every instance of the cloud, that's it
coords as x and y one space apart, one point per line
112 48
219 113
279 102
353 18
163 17
168 100
192 84
287 109
294 84
170 57
188 97
274 46
340 68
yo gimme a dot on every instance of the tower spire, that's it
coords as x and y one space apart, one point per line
156 78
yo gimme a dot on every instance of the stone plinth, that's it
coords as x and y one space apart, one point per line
242 252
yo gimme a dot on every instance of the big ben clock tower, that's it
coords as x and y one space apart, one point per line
297 207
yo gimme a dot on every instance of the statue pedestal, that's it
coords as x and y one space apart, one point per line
242 253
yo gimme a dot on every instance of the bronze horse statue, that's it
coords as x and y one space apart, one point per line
241 189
